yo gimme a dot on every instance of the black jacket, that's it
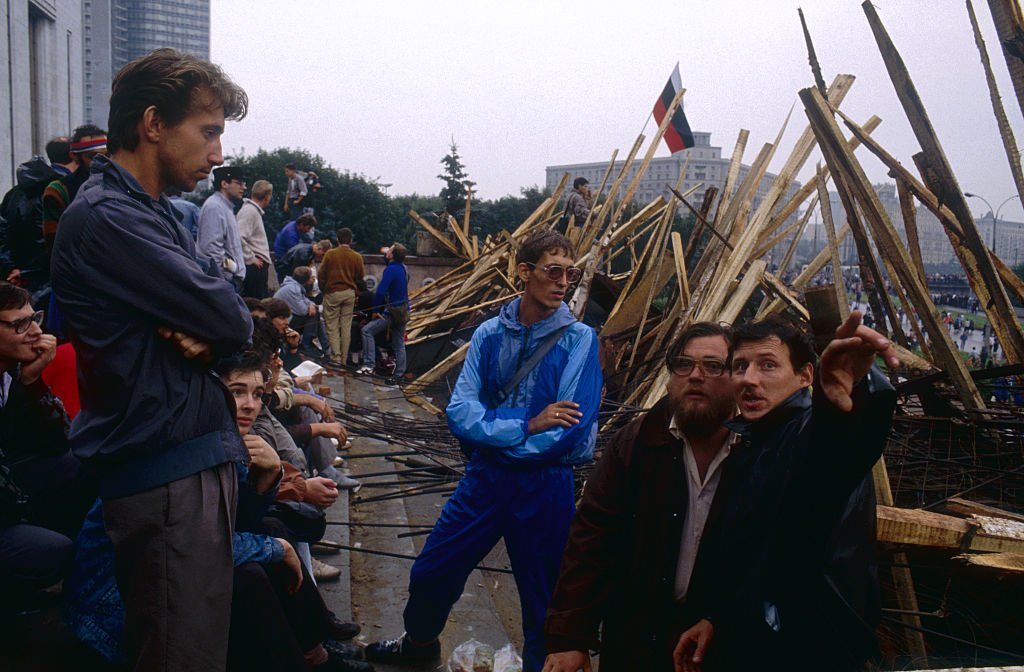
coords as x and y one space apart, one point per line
800 534
123 266
21 225
618 571
33 424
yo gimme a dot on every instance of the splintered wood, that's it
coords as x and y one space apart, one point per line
644 279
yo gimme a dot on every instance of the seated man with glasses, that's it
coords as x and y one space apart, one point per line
42 500
630 577
525 422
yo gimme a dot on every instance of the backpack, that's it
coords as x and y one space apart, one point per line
21 223
562 225
312 181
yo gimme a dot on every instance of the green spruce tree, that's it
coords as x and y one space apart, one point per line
457 184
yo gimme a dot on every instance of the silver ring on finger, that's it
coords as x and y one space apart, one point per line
557 416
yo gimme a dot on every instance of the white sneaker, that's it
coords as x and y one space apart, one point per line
324 572
364 371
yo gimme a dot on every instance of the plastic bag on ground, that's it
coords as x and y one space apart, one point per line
474 656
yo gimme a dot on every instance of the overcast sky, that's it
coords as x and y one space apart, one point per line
380 87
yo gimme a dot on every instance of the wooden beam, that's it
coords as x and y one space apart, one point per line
443 239
1006 15
680 259
1010 563
838 281
917 527
855 181
453 224
986 285
969 508
1005 132
438 371
751 279
909 213
732 175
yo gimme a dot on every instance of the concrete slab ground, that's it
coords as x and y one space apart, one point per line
489 608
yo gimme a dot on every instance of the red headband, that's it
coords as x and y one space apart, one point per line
93 145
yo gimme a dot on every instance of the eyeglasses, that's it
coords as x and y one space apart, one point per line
556 271
684 366
23 325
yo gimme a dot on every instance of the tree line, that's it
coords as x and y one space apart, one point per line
356 201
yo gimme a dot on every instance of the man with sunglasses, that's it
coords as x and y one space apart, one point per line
628 584
38 511
523 440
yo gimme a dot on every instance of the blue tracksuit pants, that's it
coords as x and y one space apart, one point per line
531 509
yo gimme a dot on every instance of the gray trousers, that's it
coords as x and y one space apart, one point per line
172 549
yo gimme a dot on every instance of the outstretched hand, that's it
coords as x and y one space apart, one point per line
849 357
693 644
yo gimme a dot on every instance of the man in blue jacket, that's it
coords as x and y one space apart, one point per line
519 479
390 311
146 319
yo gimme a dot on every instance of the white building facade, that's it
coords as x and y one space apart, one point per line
40 78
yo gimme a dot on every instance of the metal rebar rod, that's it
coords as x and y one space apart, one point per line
402 472
355 524
415 533
403 556
900 623
401 495
349 456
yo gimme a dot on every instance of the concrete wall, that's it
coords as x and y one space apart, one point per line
420 268
40 78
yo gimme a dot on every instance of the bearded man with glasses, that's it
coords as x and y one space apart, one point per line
525 423
793 578
629 581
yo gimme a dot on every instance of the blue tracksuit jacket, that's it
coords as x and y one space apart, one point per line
570 371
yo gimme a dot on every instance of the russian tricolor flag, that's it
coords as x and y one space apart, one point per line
677 136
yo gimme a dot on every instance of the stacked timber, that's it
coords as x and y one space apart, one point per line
722 272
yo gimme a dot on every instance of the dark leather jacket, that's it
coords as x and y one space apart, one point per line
799 535
618 572
33 424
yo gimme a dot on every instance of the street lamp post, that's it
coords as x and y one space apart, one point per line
992 211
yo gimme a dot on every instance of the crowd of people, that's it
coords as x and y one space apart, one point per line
180 497
729 527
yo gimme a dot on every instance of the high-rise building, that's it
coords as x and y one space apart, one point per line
117 31
40 78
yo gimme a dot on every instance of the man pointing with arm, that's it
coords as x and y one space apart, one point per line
795 585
